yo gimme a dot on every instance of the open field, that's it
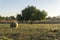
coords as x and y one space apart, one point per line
30 32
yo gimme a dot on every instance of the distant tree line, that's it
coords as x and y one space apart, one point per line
10 18
30 13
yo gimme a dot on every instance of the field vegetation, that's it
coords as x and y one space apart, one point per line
30 32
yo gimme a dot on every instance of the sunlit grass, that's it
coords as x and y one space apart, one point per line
29 31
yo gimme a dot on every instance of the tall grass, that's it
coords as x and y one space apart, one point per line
30 32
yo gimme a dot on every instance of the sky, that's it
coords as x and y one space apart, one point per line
14 7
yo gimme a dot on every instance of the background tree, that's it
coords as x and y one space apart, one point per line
32 13
7 18
0 17
19 17
11 18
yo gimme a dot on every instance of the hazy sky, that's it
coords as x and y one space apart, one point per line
13 7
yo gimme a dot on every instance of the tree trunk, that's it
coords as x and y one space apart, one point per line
31 22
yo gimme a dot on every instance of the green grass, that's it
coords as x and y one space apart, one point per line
30 32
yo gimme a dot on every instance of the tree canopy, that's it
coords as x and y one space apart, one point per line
32 13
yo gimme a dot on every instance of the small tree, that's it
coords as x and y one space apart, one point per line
7 18
12 18
1 18
19 17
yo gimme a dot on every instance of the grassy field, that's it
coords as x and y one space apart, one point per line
30 32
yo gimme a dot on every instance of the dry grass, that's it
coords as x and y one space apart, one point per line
31 32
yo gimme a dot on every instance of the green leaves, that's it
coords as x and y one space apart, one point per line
31 13
19 17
